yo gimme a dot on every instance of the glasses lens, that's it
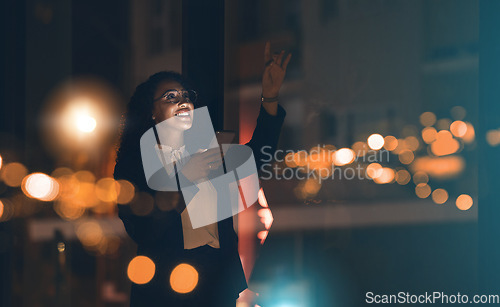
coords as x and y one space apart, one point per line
192 96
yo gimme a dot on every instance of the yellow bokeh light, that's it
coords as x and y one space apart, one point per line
13 173
387 176
344 156
427 119
375 141
40 186
406 156
439 196
374 170
429 134
464 202
85 176
458 128
390 142
402 177
423 190
184 278
141 270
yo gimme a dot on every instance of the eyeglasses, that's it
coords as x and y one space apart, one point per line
175 96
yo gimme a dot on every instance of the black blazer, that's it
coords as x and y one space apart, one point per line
159 234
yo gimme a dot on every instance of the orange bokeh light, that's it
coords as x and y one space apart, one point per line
458 128
141 270
40 186
464 202
13 173
429 134
390 142
387 176
344 156
126 191
423 190
439 196
444 144
184 278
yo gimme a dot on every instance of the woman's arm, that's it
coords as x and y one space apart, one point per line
271 116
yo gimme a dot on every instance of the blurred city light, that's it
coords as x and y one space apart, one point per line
374 170
184 278
423 190
126 192
1 209
439 167
444 144
375 141
439 196
40 186
1 161
85 123
141 270
402 176
262 198
386 176
105 190
89 233
493 137
427 119
360 148
344 156
458 128
464 202
420 177
13 173
429 134
390 143
406 156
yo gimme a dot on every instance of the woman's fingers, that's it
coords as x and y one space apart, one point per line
279 59
267 53
287 60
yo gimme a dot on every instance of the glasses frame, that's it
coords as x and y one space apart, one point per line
180 93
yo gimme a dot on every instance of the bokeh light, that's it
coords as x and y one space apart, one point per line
390 142
439 196
444 144
439 167
1 209
184 278
40 186
443 124
375 141
493 137
89 233
458 128
406 156
141 270
469 135
85 123
412 143
429 134
105 190
423 190
458 112
126 191
420 177
142 204
360 148
13 173
344 156
374 170
427 119
464 202
402 176
387 176
1 162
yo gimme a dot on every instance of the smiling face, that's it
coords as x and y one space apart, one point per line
180 113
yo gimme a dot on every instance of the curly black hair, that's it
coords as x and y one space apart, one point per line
136 121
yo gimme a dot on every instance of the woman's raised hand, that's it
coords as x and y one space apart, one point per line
274 72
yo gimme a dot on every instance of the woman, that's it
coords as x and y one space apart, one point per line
165 236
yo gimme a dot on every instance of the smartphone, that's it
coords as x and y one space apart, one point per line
225 137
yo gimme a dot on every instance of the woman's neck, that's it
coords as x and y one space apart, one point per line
172 138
